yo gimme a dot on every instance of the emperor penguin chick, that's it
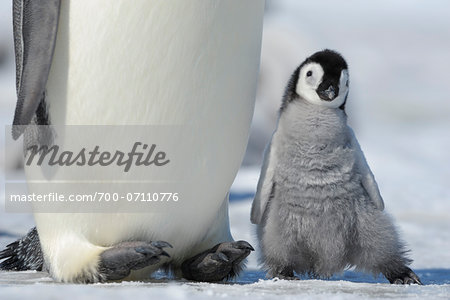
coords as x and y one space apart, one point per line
318 207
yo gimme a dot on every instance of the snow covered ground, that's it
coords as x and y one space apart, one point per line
399 105
249 287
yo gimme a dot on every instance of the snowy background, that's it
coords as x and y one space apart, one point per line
398 53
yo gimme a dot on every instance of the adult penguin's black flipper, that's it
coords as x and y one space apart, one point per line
35 27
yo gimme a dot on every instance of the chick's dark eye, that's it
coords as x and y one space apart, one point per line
309 73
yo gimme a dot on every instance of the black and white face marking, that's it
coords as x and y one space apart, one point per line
323 79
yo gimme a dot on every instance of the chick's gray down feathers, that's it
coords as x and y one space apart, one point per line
318 207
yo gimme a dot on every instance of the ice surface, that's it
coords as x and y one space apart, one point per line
251 285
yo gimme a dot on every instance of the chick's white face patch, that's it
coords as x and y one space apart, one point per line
310 77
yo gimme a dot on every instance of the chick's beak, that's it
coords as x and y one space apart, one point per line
327 94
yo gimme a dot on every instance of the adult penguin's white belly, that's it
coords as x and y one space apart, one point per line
145 62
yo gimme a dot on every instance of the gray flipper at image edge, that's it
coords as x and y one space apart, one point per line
34 44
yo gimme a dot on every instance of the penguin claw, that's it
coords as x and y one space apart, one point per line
243 245
282 274
220 257
118 261
406 277
413 278
218 263
407 280
161 244
149 251
236 251
164 253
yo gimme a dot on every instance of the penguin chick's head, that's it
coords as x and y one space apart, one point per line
323 79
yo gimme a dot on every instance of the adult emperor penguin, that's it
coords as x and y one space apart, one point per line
141 62
317 206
